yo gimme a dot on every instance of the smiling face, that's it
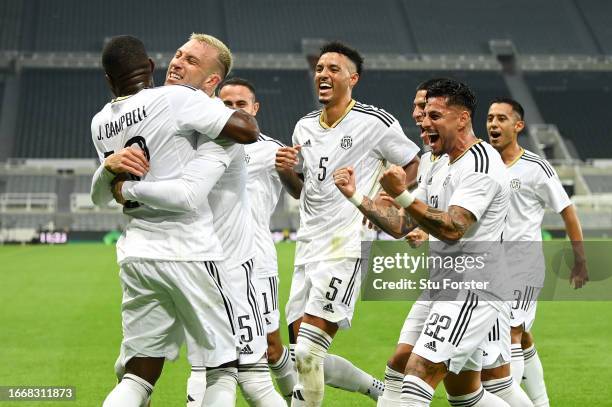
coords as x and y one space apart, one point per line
335 76
503 125
239 97
443 123
418 113
195 64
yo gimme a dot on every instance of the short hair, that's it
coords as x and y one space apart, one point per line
457 94
425 85
225 55
341 48
237 81
516 106
123 54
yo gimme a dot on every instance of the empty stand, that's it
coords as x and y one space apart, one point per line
597 16
579 104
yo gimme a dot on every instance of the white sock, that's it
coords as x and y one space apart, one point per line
257 387
220 387
284 374
392 395
131 391
416 392
310 351
534 378
342 374
506 389
196 386
517 363
480 398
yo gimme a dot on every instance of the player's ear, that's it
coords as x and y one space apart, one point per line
255 108
519 126
152 65
464 119
354 79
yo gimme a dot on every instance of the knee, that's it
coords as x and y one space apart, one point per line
399 360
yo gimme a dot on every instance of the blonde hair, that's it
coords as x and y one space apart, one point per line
225 55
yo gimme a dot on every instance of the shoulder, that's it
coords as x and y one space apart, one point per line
314 115
478 158
379 115
270 141
538 163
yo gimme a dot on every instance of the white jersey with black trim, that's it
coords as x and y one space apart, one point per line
231 208
534 184
431 181
264 188
365 138
427 160
168 123
477 181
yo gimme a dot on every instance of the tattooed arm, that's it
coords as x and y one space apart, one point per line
396 222
451 225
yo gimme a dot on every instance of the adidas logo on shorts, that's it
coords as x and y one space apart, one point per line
431 346
328 308
246 350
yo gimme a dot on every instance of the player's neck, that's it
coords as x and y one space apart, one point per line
332 113
462 144
131 88
511 153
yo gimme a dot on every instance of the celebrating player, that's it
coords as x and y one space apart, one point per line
167 260
534 184
327 278
204 61
264 188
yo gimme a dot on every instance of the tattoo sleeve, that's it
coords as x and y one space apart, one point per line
396 222
450 225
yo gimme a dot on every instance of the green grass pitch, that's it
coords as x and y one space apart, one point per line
60 325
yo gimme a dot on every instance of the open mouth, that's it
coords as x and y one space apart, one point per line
494 134
324 87
174 76
433 137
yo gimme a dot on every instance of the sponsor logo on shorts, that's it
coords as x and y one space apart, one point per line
328 308
268 322
246 350
431 346
484 353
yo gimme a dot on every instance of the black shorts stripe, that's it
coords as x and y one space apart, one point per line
549 172
463 319
274 286
211 267
381 117
251 298
346 299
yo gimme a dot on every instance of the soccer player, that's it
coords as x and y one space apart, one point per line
327 278
534 184
264 188
204 61
167 260
468 207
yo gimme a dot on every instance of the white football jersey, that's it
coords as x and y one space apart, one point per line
431 180
534 184
478 181
231 209
168 123
365 138
264 188
427 159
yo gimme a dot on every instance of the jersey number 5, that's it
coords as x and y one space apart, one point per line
323 169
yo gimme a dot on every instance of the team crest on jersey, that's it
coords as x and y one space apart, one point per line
346 142
446 181
515 184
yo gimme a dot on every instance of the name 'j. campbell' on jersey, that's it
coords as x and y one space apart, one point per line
364 138
166 123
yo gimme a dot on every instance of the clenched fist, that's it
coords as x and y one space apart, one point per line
393 181
286 158
344 178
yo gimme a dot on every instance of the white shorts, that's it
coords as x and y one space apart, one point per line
250 320
413 325
326 289
267 292
496 346
167 302
524 307
454 331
